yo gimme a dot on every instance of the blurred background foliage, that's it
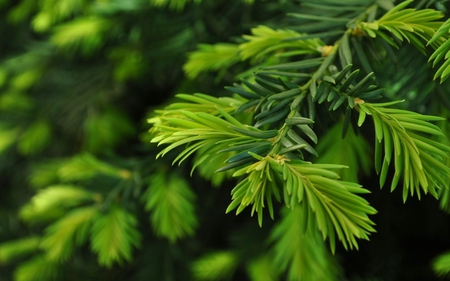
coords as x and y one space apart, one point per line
81 194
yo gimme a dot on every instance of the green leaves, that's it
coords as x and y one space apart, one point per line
86 34
416 26
328 204
441 265
53 200
342 88
265 40
86 166
72 229
37 269
197 130
290 103
211 57
442 52
327 18
198 103
258 187
17 248
114 235
215 266
262 43
302 254
417 159
262 269
34 139
170 202
82 167
52 12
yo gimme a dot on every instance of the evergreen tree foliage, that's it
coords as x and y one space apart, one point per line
272 127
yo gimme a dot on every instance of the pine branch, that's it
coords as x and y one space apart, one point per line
14 249
38 269
52 202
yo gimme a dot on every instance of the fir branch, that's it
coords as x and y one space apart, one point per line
441 264
215 57
262 42
170 202
87 34
262 269
417 159
302 254
197 130
35 138
53 200
265 40
442 52
416 26
198 103
218 265
72 229
259 186
114 235
444 194
38 269
337 209
86 166
14 249
52 12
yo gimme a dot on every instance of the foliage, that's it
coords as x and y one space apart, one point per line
287 140
293 251
171 203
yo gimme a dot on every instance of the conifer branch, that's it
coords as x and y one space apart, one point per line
418 160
